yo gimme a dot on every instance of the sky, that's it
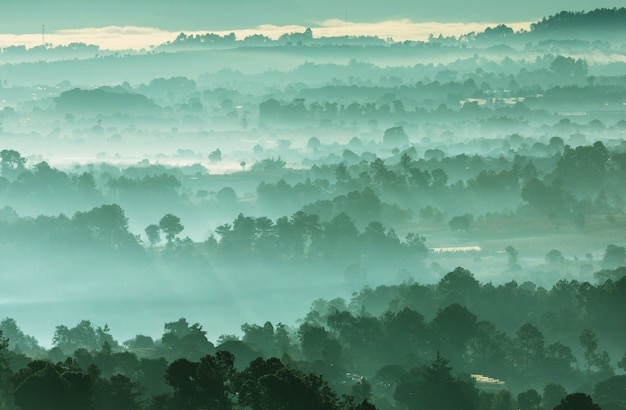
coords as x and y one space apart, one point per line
27 16
174 16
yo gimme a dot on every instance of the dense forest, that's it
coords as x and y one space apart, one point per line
317 222
415 345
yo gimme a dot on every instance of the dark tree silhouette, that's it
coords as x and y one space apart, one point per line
529 400
435 388
577 401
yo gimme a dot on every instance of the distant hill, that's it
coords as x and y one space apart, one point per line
595 20
104 101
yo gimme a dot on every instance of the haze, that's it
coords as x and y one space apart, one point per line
323 205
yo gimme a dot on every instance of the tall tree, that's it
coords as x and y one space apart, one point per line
11 163
589 342
435 388
170 224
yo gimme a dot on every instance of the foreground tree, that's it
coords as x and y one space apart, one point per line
435 388
577 401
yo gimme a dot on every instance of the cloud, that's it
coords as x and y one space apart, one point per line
403 29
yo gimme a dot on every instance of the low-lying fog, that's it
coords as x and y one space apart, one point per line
300 168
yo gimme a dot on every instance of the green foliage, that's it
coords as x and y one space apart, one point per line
12 163
435 388
577 401
171 226
611 393
83 335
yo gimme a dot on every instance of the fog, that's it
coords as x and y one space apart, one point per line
318 180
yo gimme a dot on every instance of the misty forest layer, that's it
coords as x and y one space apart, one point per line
317 222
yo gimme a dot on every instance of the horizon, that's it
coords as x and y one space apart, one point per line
122 38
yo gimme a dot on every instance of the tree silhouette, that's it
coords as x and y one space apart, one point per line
11 163
170 224
153 232
552 395
513 258
435 388
529 400
589 342
215 156
530 347
577 401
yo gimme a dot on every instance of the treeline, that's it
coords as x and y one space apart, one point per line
602 19
480 98
564 183
387 347
552 180
599 20
103 232
304 237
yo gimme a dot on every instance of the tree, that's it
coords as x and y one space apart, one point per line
589 342
261 338
577 401
488 349
622 362
435 388
86 183
559 361
4 364
568 67
313 144
213 376
11 163
153 232
405 162
317 344
45 386
554 256
18 340
106 225
120 393
611 393
504 400
461 223
460 285
614 257
41 387
439 177
395 136
513 258
181 376
215 156
362 390
83 335
453 327
529 400
530 345
187 341
341 173
552 395
170 224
